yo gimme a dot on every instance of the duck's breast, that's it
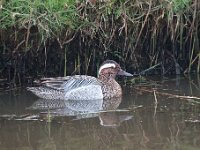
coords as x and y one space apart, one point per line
111 89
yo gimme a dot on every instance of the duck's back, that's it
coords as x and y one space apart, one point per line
78 87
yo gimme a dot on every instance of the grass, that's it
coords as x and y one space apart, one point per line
58 37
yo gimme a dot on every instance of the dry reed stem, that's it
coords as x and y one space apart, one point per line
167 94
156 102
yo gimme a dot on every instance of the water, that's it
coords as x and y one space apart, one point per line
138 123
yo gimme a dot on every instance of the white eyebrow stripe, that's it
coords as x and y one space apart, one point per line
106 66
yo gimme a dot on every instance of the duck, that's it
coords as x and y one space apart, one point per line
83 87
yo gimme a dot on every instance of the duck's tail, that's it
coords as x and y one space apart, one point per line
46 93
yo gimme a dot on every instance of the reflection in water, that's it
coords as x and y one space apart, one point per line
102 108
112 119
86 125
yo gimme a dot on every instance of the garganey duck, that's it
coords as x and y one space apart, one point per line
83 87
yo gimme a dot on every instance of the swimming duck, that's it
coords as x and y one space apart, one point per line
83 87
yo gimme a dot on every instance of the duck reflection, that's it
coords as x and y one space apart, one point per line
105 109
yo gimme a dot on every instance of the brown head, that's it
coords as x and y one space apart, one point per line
109 69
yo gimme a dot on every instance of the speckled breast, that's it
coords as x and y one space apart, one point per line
111 89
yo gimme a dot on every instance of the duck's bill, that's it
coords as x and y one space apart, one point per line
124 73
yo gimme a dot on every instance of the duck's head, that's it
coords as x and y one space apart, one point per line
110 69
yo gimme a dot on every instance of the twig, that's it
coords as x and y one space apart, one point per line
150 68
156 102
168 94
16 48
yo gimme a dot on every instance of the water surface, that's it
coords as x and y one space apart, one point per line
154 114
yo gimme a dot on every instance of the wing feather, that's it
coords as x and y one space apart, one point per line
69 82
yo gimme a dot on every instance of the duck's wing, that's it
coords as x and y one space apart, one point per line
78 87
54 83
69 82
49 88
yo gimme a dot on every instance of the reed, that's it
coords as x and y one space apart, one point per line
138 34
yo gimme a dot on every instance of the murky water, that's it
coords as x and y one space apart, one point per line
154 114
